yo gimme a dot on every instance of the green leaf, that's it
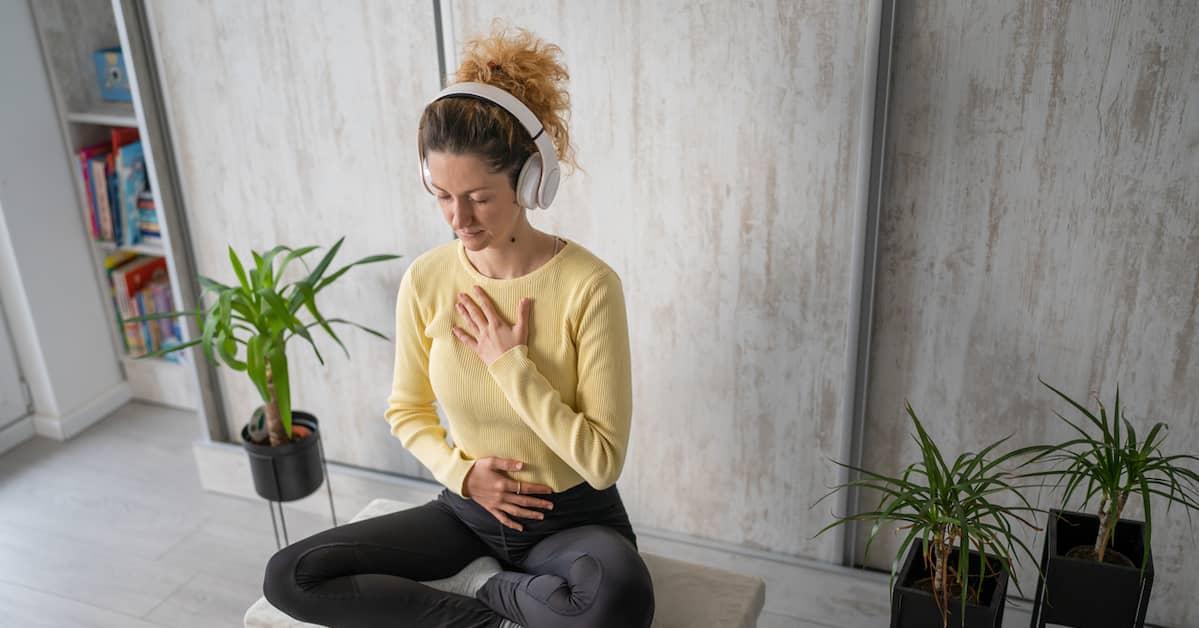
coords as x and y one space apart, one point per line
227 349
256 366
295 254
160 315
166 350
366 329
315 276
308 298
366 260
238 270
212 285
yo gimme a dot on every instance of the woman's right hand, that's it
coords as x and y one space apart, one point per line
491 488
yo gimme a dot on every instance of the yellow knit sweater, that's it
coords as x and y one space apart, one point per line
562 403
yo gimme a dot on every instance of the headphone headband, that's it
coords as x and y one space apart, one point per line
547 184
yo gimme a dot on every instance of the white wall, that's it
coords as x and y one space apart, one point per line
1041 217
46 277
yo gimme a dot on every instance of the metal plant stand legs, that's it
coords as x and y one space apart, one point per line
271 503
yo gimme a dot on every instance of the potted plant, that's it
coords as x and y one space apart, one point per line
282 443
1088 557
958 538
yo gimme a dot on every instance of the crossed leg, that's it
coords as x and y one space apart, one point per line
582 577
366 573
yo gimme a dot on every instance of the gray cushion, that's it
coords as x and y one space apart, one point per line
686 595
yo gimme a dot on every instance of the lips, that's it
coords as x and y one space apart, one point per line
469 233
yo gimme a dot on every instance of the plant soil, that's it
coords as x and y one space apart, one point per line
1111 556
298 432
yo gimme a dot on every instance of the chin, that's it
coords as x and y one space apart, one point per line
477 243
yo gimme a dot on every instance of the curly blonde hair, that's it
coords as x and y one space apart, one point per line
526 67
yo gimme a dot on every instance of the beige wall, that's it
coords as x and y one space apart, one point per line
294 123
1041 217
720 142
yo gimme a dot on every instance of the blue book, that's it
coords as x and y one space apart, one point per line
131 172
114 208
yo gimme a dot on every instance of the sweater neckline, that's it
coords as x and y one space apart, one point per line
567 245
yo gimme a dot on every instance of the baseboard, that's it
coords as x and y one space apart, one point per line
16 433
68 425
795 587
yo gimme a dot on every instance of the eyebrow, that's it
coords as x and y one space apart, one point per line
468 191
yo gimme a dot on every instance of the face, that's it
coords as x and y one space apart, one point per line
480 206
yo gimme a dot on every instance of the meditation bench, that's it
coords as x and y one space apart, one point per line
686 595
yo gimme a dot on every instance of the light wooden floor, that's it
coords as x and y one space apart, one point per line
111 528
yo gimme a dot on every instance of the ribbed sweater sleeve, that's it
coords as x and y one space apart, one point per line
593 440
410 410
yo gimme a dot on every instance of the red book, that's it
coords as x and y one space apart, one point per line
121 136
132 277
128 280
91 216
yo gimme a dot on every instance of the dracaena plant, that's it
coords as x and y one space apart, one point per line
261 315
1117 465
947 505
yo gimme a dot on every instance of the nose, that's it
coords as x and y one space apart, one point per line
460 215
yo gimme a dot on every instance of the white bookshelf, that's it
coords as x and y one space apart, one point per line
107 114
69 31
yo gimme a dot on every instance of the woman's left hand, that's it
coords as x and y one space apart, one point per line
487 333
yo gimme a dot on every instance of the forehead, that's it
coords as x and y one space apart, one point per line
465 172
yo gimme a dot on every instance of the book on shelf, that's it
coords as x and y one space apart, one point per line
141 286
131 179
119 197
92 215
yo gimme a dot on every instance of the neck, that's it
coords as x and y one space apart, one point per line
507 259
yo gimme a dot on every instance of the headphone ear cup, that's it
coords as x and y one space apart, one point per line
527 182
426 176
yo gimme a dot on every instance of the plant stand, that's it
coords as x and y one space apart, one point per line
272 503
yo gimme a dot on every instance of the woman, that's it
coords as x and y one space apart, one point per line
530 529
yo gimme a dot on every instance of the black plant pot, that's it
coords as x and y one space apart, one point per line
1072 586
915 608
287 472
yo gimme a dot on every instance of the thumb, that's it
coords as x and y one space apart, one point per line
513 465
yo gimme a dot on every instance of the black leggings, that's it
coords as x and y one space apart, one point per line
578 567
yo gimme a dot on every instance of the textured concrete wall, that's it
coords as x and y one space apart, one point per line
720 144
1041 217
294 123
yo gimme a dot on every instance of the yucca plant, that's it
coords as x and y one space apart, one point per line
1116 465
266 315
947 505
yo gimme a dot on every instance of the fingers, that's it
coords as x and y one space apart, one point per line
532 502
522 321
465 337
513 509
507 464
528 488
466 315
487 305
502 518
467 306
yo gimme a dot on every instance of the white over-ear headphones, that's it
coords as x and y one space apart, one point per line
538 180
